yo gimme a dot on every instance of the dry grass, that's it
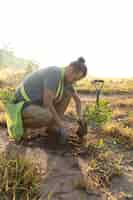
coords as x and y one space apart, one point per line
122 103
11 77
94 144
128 122
119 113
115 86
102 169
99 171
2 118
103 163
122 135
1 106
19 178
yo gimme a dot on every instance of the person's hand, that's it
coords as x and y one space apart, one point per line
82 130
64 124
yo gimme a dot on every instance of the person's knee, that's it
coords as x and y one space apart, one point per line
37 114
42 119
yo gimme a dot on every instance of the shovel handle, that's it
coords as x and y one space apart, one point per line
98 84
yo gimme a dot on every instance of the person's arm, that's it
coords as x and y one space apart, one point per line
48 98
49 92
78 103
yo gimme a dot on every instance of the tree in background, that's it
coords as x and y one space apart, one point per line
9 60
12 66
32 66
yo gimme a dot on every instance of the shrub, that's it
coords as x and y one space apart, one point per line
98 115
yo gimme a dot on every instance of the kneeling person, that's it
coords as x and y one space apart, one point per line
47 93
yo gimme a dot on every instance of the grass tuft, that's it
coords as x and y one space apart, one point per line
102 169
19 178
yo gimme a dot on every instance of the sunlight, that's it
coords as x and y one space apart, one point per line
57 32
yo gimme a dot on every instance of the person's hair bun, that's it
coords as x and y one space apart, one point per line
81 60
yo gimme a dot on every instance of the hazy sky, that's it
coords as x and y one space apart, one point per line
54 32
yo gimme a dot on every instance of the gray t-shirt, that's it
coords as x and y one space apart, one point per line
36 82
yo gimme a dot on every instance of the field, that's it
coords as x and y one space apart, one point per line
99 167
